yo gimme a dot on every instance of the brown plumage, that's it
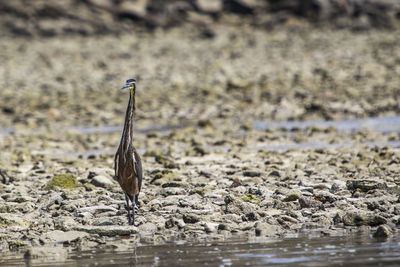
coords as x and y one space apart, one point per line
128 165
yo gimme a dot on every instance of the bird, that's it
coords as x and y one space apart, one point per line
127 162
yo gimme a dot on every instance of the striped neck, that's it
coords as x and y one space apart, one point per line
127 134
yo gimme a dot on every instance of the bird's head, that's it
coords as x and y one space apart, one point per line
131 84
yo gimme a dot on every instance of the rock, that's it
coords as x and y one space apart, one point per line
267 230
63 181
209 6
292 197
252 173
172 191
307 202
102 181
250 198
154 204
382 232
58 236
15 245
8 219
251 216
64 223
170 180
147 228
46 254
376 220
210 227
111 230
338 186
288 219
355 219
191 218
171 222
361 218
55 198
275 173
96 209
244 7
365 185
240 207
162 158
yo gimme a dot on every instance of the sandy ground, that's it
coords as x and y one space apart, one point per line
209 172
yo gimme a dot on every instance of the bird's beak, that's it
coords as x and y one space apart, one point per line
125 86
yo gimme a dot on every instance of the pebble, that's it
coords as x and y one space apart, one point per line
382 232
102 181
111 230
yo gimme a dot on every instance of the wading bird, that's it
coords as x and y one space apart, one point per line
128 165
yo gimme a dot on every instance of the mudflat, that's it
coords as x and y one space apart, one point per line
210 172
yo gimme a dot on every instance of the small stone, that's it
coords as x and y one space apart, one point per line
172 191
108 230
191 218
267 230
376 220
382 232
355 219
64 223
148 228
250 198
288 219
275 173
15 245
9 219
292 197
102 181
210 227
251 216
209 6
365 185
96 209
307 202
63 181
252 173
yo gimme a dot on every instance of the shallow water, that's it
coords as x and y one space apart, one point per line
388 124
351 250
379 124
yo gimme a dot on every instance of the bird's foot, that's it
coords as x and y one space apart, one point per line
131 220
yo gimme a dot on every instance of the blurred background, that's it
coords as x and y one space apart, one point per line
62 62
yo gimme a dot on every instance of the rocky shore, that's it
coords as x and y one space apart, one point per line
206 185
210 172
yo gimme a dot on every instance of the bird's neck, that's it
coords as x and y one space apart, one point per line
127 135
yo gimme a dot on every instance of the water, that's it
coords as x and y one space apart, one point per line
381 124
351 250
390 124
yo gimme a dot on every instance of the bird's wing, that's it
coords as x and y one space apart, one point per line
116 163
138 168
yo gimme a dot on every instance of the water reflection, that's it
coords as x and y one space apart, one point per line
350 250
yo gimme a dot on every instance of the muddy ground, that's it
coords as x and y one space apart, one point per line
209 174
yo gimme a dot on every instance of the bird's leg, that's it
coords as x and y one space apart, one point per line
133 209
129 210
